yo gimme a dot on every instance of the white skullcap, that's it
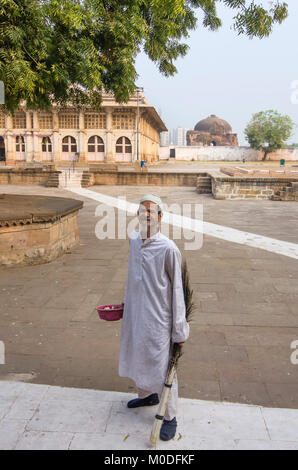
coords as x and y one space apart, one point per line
152 198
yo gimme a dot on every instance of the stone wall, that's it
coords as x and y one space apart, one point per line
143 179
247 188
223 153
30 176
39 242
101 176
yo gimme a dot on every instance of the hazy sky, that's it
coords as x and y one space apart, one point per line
227 75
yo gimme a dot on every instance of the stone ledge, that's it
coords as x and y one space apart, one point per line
36 229
17 209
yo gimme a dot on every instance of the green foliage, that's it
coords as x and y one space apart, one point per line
268 131
56 50
254 20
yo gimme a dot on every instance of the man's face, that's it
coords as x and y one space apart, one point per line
148 215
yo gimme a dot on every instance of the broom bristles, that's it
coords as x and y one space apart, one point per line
175 354
189 309
188 292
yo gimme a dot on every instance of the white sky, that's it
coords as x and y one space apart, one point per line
227 75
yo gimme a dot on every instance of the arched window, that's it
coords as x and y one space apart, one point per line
123 150
46 145
20 143
96 148
2 150
20 147
95 144
123 145
69 144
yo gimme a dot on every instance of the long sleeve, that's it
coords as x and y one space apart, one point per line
127 274
180 328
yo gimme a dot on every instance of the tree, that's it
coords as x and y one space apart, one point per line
57 50
293 145
268 131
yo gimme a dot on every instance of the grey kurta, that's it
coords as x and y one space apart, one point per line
154 310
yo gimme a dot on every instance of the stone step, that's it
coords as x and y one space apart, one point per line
70 179
53 181
86 179
204 188
204 185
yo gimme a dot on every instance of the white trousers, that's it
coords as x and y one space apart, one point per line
171 409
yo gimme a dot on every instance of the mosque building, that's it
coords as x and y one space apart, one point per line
117 133
212 131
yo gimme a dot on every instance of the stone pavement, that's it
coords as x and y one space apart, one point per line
247 298
43 417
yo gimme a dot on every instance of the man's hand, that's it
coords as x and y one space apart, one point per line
180 344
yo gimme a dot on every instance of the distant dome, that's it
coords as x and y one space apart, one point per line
213 125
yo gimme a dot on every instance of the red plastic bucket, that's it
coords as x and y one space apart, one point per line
110 312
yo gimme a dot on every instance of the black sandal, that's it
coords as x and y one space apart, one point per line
147 401
168 429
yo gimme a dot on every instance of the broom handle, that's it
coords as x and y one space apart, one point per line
162 406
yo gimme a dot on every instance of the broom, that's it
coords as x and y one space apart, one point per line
176 353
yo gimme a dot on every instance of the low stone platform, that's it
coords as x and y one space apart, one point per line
256 172
255 183
36 229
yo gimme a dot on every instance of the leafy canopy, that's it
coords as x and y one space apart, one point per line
56 49
268 131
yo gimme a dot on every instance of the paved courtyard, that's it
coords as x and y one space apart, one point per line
246 297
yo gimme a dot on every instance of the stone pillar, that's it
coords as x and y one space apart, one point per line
82 138
37 151
28 138
109 154
28 146
139 134
56 141
9 141
135 140
55 120
56 146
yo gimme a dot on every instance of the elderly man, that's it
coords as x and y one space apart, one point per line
154 312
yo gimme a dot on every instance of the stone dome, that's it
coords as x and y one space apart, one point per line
213 125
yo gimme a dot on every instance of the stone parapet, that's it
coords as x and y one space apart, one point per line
36 229
247 188
24 176
132 178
